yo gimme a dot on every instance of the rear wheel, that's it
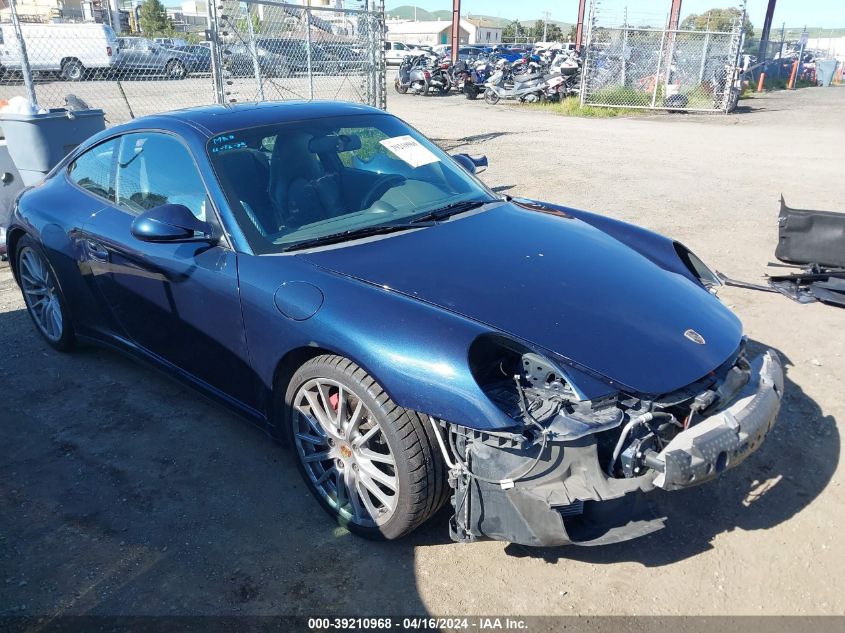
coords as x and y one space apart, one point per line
42 295
73 70
445 87
372 465
175 69
399 87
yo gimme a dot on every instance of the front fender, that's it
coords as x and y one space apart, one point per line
417 352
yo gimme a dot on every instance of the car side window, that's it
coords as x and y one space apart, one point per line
155 169
93 170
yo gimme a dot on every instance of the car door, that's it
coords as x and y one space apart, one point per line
177 301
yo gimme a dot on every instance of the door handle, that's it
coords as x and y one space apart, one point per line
97 251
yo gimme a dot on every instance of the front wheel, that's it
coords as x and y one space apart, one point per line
42 295
491 97
373 466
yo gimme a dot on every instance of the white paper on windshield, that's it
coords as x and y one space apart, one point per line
409 150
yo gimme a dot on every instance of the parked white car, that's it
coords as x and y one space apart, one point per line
71 50
395 52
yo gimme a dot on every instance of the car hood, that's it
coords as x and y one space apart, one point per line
558 283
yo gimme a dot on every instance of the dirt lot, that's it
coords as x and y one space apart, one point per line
125 493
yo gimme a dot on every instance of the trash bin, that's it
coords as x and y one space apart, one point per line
825 69
37 142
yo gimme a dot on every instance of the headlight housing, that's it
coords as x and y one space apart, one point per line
532 389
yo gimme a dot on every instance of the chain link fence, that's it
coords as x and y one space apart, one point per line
659 68
272 50
254 51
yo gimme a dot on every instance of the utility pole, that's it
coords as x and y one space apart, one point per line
762 54
579 27
675 15
546 16
456 29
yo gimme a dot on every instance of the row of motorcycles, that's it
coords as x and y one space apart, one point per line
548 76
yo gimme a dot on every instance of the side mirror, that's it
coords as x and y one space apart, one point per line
473 164
171 223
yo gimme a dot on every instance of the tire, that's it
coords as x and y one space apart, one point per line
400 88
73 70
175 69
491 97
42 295
412 489
426 91
445 87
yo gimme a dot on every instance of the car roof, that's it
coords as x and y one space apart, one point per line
215 119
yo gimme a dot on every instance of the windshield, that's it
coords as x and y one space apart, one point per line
297 182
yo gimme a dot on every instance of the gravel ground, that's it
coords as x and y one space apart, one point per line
125 493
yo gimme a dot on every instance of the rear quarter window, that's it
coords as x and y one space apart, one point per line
94 170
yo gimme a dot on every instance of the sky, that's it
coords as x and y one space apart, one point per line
796 13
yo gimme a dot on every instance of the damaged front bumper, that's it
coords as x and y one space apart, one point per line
725 439
569 498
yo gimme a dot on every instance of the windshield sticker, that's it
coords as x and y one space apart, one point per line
225 142
410 150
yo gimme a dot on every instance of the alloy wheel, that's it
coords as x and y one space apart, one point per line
345 452
41 294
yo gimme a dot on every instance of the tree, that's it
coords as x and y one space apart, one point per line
551 31
243 27
513 32
153 19
717 20
573 33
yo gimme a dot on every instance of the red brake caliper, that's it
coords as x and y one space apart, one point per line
333 401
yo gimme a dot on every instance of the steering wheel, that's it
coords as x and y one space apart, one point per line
380 187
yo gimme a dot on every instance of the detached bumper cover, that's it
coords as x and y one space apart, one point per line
726 438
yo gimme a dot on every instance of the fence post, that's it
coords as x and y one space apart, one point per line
585 51
378 53
624 49
216 59
256 67
659 66
704 57
26 71
308 44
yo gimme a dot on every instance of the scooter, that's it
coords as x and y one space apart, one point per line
529 88
413 76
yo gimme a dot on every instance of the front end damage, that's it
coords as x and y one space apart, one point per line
576 472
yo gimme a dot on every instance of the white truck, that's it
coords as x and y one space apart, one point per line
73 51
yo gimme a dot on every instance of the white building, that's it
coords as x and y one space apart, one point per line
482 32
434 32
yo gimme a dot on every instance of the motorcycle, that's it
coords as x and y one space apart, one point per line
475 78
440 78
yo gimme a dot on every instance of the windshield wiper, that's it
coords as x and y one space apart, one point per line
351 234
453 208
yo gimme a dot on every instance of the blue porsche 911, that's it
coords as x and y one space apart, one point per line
329 273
